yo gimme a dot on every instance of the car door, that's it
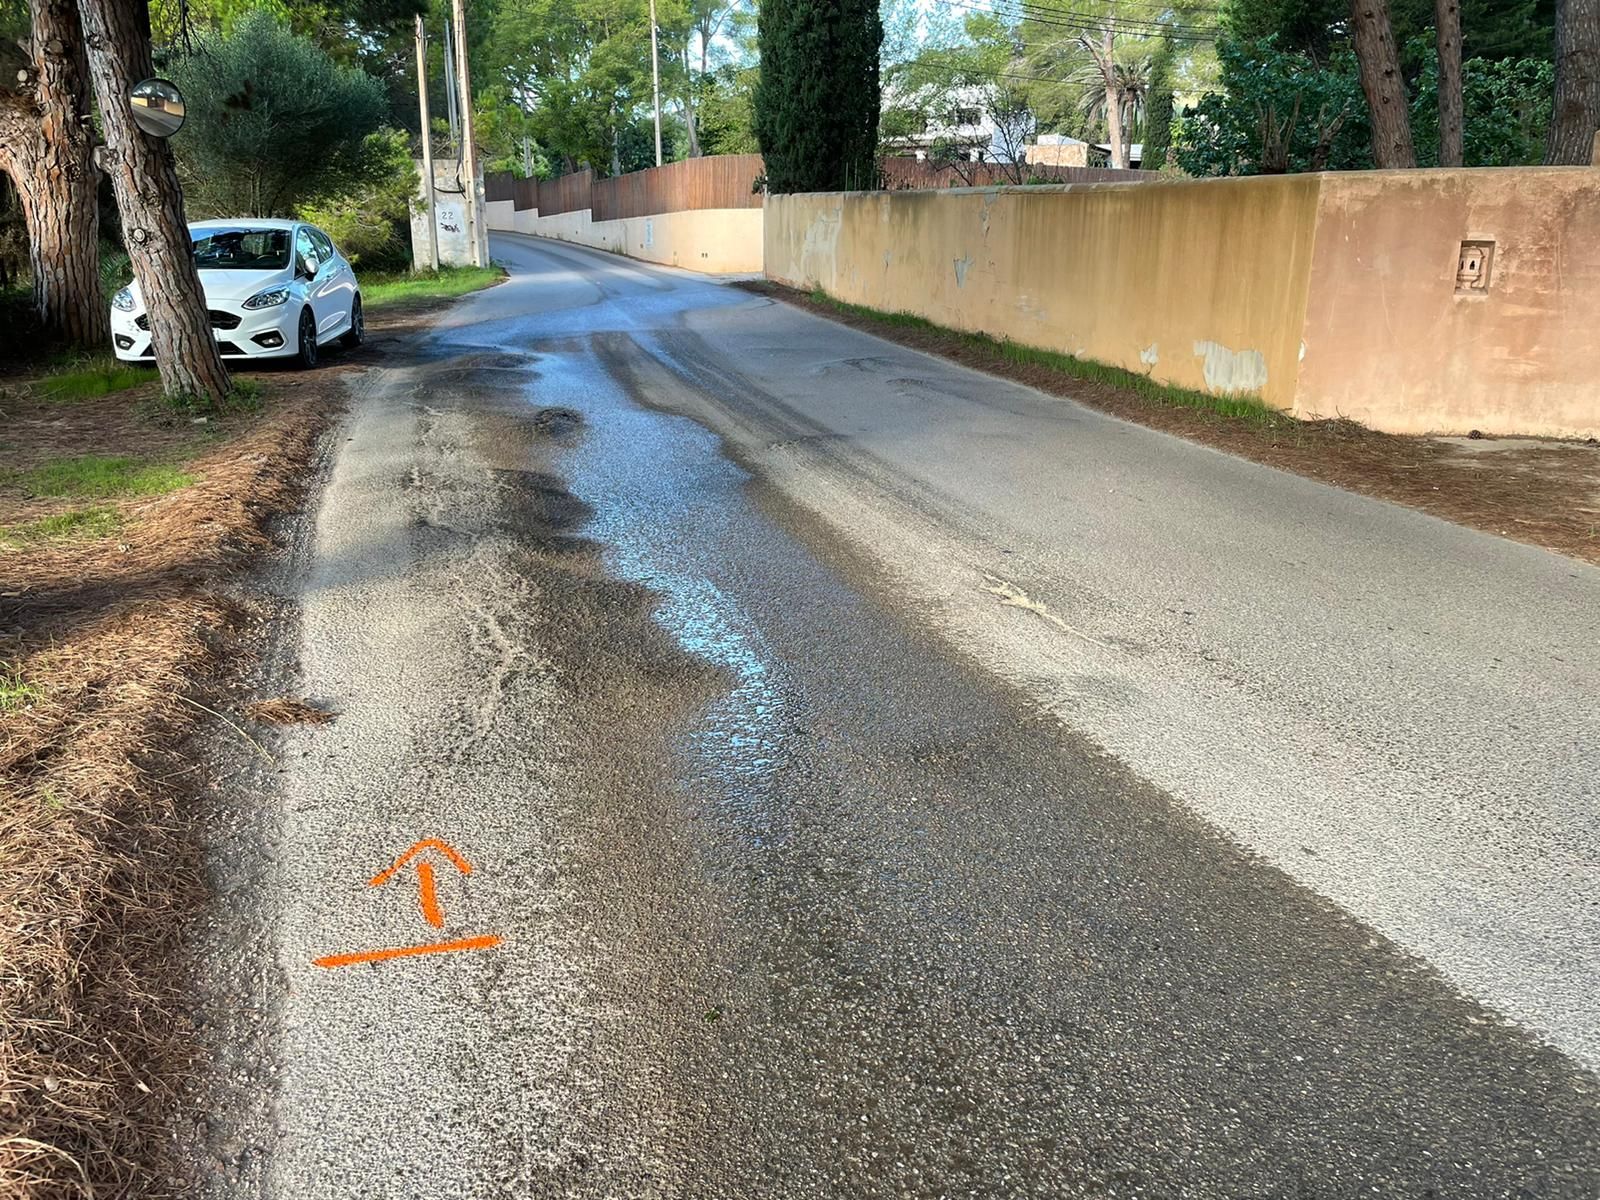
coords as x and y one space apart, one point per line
320 292
341 279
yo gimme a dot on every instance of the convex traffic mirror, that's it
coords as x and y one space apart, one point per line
157 107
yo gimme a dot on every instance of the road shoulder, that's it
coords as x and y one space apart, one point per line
1541 491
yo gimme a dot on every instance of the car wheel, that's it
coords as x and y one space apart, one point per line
358 326
306 355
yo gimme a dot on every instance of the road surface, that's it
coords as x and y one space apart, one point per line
878 779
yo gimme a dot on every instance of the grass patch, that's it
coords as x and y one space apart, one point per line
16 692
98 477
378 290
245 393
1234 407
96 377
100 521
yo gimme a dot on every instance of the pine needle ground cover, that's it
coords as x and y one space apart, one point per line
120 522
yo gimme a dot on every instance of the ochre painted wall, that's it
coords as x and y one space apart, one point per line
1197 283
720 241
1392 344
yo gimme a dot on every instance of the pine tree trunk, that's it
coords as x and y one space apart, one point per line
1381 81
46 147
1447 18
689 122
151 203
1576 115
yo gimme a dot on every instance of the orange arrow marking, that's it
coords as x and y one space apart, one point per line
427 889
346 960
444 848
427 898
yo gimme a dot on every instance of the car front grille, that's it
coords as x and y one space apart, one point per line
219 320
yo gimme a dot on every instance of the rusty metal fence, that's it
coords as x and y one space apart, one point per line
498 185
570 193
723 181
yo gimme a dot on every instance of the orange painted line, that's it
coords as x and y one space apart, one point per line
365 956
429 896
444 848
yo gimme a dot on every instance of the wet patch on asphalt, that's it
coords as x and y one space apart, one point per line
622 692
557 422
967 953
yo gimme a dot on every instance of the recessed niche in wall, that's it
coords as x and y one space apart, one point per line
1472 275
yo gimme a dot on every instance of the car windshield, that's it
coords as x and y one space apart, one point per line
241 249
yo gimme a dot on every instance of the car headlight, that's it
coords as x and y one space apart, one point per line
270 298
123 300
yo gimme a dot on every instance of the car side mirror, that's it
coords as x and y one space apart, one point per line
309 265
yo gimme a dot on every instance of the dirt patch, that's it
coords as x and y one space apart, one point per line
1546 493
116 646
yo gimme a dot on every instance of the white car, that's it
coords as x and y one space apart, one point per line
276 289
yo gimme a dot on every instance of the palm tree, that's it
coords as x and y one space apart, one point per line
1115 88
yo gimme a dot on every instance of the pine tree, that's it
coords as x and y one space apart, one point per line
1507 29
816 105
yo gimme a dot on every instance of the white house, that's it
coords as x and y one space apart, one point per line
960 119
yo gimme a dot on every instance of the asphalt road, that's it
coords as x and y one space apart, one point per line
884 780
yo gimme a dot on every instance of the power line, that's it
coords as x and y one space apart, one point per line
1091 23
1054 10
952 68
1139 26
1157 6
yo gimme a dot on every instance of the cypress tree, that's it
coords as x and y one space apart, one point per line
816 105
1158 110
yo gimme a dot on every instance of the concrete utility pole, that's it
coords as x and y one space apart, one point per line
469 149
655 78
427 142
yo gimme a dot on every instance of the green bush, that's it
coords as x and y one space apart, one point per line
370 223
1320 108
1505 108
1323 113
273 122
115 268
